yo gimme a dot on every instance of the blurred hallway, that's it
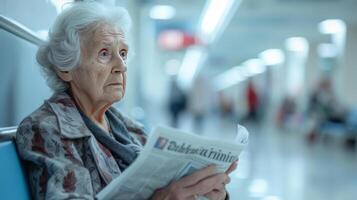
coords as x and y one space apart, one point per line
299 56
281 165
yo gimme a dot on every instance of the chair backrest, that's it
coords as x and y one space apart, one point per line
13 182
352 117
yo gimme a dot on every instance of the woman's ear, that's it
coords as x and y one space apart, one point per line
65 75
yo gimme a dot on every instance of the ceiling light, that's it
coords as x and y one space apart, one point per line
216 15
162 12
298 44
191 64
272 57
254 66
229 78
332 26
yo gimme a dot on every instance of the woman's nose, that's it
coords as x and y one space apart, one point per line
119 65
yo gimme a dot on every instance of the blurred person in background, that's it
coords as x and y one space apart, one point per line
225 105
252 101
324 109
177 102
198 102
76 143
286 112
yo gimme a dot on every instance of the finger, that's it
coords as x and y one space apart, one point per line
216 194
221 186
198 176
208 184
232 167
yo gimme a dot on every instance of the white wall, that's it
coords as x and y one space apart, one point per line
34 14
23 88
348 85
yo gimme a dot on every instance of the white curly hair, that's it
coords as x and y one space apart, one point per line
62 50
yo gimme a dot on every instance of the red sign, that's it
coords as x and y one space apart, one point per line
175 40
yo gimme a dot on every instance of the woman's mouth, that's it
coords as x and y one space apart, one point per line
114 84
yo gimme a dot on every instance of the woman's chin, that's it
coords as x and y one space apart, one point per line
117 97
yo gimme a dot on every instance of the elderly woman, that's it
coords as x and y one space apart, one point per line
76 142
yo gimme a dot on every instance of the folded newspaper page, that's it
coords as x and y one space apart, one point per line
168 155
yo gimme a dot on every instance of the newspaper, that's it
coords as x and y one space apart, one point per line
168 155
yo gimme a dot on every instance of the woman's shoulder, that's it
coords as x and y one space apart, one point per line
38 124
45 118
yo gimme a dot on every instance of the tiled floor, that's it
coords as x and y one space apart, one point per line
280 165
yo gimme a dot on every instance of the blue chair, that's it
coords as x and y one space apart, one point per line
13 182
351 122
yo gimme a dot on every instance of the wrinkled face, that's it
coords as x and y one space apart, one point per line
101 75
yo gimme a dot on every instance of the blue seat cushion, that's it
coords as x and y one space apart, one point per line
13 182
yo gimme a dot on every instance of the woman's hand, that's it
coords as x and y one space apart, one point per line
220 193
205 182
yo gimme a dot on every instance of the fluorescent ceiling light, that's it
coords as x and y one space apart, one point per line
162 12
297 44
238 74
216 14
254 66
191 64
229 78
327 50
332 26
272 57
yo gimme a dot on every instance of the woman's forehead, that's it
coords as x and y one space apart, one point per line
108 35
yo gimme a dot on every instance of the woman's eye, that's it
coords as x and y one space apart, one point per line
123 54
104 53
